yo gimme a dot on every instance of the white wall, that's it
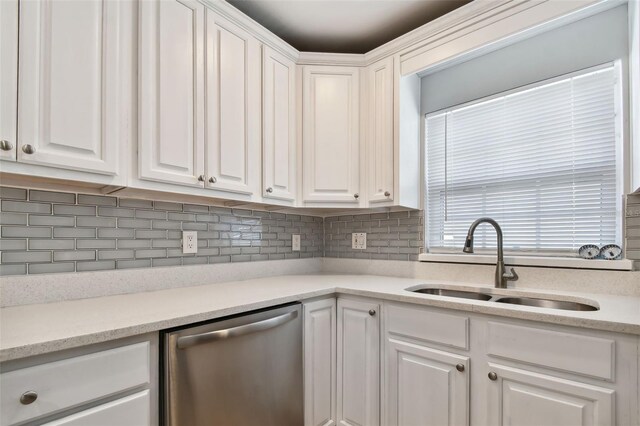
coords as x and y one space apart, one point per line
582 44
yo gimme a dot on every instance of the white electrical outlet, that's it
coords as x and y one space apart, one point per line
359 240
189 241
295 242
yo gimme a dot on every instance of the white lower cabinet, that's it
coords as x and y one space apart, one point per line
107 384
358 363
320 362
132 410
520 397
426 386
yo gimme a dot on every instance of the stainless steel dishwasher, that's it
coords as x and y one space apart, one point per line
244 370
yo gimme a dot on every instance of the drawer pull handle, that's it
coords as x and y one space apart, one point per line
372 312
493 376
387 194
460 367
28 397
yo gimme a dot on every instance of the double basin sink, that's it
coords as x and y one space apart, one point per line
538 302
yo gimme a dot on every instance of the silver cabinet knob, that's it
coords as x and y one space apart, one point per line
28 149
493 376
201 178
6 145
269 190
212 179
460 367
372 312
356 195
28 397
387 193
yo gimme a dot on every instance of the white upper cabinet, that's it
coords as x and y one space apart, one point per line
8 78
379 146
72 74
171 91
278 126
331 137
233 102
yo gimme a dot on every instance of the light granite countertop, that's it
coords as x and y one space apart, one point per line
35 329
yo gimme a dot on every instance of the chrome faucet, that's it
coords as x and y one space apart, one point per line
502 276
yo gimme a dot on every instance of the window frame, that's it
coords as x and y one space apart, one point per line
623 181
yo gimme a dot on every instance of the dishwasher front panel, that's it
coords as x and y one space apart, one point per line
246 370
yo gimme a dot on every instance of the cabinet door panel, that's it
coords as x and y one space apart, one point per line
320 363
233 107
331 134
171 119
279 147
71 77
358 363
8 77
424 387
521 398
380 150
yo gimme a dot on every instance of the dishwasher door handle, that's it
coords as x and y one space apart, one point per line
213 336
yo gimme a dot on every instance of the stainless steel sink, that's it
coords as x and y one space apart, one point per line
548 303
454 293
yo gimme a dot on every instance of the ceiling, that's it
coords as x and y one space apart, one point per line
343 26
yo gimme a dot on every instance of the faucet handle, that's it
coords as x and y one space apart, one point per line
511 275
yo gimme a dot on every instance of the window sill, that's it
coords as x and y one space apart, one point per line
548 262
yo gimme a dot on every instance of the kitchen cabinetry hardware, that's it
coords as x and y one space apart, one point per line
28 397
356 195
493 376
212 179
212 336
28 149
201 178
6 145
269 190
372 312
387 193
460 367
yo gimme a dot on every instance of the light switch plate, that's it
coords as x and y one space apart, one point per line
295 242
189 241
359 240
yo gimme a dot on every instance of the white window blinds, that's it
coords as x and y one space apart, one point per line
541 161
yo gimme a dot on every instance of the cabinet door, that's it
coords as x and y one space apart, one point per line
320 363
331 134
425 387
518 397
233 107
171 101
380 150
279 117
8 78
358 363
132 410
72 74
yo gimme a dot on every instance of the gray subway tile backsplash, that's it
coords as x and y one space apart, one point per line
48 232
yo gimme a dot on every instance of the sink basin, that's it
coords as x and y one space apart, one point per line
454 293
548 303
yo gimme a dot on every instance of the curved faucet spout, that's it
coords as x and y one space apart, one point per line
502 276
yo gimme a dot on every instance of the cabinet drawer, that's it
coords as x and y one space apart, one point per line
73 381
428 325
574 353
132 410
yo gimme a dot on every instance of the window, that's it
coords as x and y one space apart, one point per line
542 160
